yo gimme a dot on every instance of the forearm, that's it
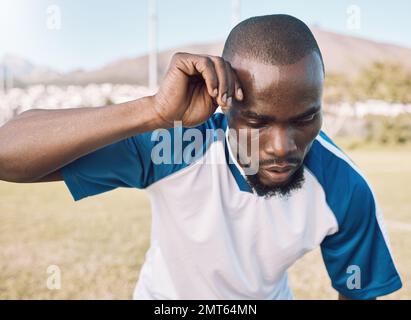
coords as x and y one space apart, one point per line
38 142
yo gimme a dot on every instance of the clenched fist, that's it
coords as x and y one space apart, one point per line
193 87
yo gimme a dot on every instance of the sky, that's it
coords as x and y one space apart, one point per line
71 34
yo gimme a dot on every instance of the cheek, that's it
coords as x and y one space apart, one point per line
305 136
250 141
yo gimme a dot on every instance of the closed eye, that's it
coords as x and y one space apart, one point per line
256 124
306 119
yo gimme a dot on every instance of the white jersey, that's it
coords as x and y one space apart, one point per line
212 237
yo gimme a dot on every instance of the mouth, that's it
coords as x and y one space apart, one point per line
278 174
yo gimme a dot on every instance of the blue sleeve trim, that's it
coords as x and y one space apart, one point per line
75 188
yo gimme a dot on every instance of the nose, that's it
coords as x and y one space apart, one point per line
280 142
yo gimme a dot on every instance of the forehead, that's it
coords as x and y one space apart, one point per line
269 87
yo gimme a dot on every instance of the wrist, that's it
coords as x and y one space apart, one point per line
146 118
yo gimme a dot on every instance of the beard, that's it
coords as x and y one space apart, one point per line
282 190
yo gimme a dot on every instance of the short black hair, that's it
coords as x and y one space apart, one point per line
276 39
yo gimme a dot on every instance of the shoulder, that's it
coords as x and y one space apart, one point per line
217 121
347 191
163 152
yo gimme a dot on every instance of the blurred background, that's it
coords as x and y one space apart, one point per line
64 54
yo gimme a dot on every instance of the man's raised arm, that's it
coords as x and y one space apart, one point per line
37 143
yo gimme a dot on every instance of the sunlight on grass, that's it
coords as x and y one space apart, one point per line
99 243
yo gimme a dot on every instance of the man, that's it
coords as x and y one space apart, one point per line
219 230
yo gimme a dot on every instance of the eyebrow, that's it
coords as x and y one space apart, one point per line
265 118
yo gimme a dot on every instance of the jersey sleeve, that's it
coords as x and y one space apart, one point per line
139 161
357 257
125 163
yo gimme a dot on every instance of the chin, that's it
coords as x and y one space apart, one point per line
264 184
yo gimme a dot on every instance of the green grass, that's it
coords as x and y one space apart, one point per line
99 243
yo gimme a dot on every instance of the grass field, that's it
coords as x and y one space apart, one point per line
99 243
